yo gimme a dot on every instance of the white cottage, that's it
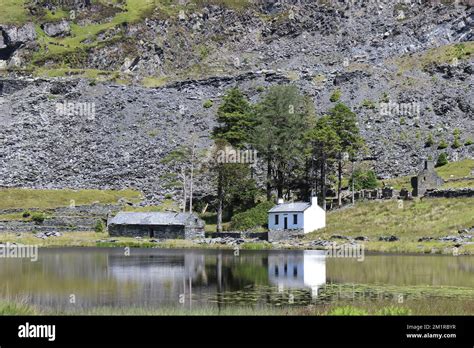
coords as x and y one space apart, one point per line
298 216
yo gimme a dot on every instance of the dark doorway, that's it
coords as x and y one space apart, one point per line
285 223
152 233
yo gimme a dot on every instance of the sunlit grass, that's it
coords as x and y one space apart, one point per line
434 217
439 55
18 198
452 170
13 12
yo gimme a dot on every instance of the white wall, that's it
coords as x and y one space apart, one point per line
315 218
312 219
281 221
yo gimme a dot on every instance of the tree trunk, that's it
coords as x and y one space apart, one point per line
323 182
353 193
279 184
183 174
220 199
339 182
191 179
269 179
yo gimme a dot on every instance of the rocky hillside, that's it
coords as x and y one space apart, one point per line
148 68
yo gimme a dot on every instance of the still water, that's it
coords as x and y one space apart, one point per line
150 278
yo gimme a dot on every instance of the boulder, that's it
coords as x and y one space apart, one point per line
18 35
54 29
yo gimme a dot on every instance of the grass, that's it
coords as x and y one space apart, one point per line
133 11
435 217
166 205
93 74
152 82
384 307
456 170
13 12
18 198
439 55
453 170
13 217
94 239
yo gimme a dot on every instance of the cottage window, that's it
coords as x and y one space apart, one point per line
295 219
276 219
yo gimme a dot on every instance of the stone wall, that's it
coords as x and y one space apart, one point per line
145 231
157 231
238 234
62 219
194 232
276 235
451 193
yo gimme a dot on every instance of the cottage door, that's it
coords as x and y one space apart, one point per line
285 223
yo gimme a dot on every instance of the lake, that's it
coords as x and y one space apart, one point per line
81 278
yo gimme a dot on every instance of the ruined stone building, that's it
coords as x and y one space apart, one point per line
427 179
163 225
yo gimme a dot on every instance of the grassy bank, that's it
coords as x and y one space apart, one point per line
432 306
93 239
408 221
451 171
19 198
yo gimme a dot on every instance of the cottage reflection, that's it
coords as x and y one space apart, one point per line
297 270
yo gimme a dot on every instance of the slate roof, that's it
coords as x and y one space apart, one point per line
152 218
290 207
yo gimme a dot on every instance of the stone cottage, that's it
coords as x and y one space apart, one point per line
427 179
290 219
161 225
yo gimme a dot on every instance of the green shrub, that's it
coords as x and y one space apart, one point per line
99 226
429 141
368 104
347 310
469 142
26 214
457 142
392 310
385 98
252 218
169 196
442 160
208 104
335 96
38 217
364 180
442 144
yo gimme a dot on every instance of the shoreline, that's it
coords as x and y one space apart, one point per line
101 240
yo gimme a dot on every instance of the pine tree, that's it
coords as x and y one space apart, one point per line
325 144
234 120
344 122
282 118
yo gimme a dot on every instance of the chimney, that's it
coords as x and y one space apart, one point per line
314 200
429 165
280 201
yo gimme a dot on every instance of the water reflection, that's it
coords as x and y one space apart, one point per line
153 278
298 270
